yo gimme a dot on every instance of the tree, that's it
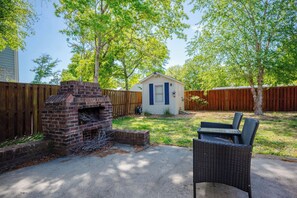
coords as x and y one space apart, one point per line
288 59
205 75
16 18
56 78
101 22
177 72
82 68
246 37
196 76
44 69
137 56
189 74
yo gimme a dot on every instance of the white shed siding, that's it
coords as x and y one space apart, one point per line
136 87
160 108
180 97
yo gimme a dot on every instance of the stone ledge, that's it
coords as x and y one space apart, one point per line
15 155
140 138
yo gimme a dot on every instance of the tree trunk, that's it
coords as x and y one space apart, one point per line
96 67
255 99
258 95
126 76
258 102
97 61
126 84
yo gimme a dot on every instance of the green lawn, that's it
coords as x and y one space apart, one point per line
277 133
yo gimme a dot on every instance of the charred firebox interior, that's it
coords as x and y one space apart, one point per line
91 114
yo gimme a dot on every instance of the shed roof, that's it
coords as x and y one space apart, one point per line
157 74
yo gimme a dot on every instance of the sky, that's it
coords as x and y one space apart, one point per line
47 39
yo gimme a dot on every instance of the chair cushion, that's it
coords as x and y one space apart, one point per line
215 138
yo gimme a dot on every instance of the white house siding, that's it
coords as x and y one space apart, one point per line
160 108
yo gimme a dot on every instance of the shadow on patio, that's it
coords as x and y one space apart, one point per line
161 171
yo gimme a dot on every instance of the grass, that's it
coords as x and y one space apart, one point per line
277 134
34 137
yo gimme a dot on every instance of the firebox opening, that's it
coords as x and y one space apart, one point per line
90 134
89 115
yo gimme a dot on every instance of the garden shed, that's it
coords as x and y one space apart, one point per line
161 93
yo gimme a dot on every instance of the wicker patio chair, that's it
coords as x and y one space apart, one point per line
235 125
225 162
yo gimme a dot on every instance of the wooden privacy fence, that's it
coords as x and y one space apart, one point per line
274 99
21 106
123 102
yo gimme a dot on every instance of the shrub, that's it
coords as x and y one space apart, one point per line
199 101
147 113
167 112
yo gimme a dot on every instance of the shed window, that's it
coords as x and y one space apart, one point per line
159 93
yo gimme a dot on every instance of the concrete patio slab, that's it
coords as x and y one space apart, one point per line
157 172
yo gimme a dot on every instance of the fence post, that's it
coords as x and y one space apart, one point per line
127 109
226 100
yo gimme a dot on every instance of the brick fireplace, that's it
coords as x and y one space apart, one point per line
79 112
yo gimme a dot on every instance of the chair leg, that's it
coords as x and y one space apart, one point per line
250 192
194 189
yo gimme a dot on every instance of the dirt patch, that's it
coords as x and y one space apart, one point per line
154 144
186 114
277 116
273 157
140 148
104 153
289 160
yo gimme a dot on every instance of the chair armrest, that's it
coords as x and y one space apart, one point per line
220 132
215 125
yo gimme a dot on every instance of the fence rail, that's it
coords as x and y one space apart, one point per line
274 99
21 105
